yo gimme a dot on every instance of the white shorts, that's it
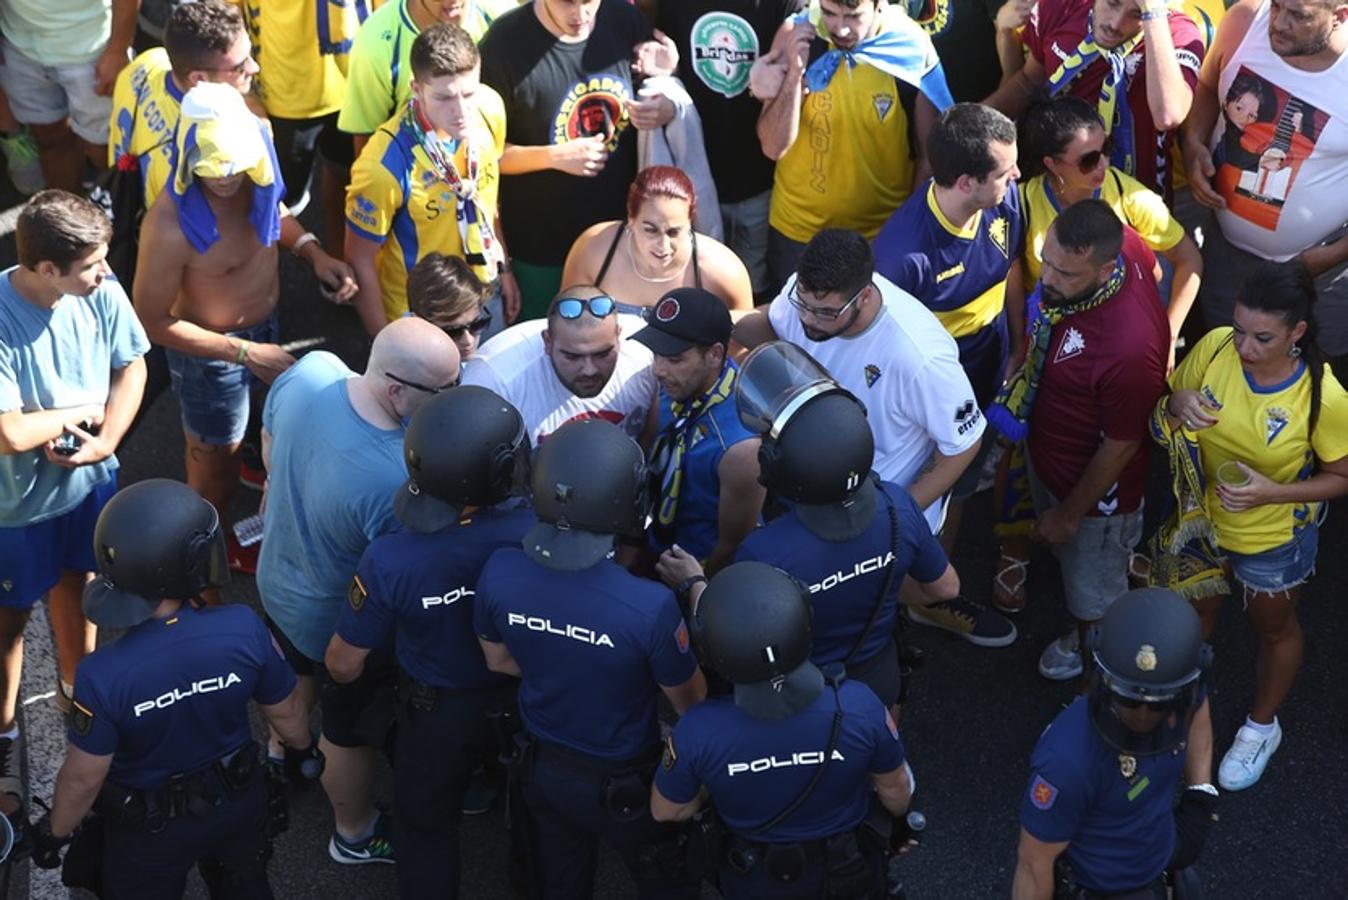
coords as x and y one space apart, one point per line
45 95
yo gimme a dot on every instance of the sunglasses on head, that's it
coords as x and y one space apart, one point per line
421 387
573 307
1088 161
475 327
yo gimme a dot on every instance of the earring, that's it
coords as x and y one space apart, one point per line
1294 351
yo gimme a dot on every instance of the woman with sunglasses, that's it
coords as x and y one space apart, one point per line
444 291
1269 423
655 250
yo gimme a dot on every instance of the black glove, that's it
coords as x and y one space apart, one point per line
304 765
46 846
1194 817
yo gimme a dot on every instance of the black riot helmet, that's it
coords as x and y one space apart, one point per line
1148 652
752 625
154 540
465 447
589 486
817 447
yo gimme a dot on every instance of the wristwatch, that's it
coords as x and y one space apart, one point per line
686 586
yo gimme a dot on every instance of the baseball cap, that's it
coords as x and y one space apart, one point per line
685 317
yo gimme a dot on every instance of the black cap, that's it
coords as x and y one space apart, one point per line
685 317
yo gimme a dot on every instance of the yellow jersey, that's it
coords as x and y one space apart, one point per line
1265 428
398 199
145 108
850 165
1140 208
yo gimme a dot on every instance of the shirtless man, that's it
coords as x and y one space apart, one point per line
207 282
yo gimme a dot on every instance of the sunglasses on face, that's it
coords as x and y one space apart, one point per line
475 327
421 387
823 314
573 307
1135 703
1089 160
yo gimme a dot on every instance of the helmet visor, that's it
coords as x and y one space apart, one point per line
775 380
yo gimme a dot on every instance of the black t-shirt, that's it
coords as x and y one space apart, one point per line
556 92
966 41
718 43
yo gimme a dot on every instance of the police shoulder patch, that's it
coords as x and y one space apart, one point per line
669 757
1042 794
80 720
357 594
681 636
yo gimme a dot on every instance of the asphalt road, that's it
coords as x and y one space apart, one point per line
972 720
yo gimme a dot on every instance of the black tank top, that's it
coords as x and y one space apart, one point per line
613 248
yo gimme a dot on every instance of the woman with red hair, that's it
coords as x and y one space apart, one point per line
655 250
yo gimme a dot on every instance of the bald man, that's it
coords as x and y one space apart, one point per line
578 363
332 442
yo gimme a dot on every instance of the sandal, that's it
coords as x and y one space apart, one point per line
1139 571
1007 597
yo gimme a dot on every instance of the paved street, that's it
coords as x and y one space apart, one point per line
972 720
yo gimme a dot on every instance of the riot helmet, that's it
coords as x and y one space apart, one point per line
465 447
155 540
817 447
1149 660
752 625
589 487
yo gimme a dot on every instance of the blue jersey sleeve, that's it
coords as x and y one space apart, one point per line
276 678
672 663
89 726
368 616
484 608
677 777
1056 799
927 560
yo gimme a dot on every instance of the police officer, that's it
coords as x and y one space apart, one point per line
593 646
788 761
160 743
848 536
466 451
1100 803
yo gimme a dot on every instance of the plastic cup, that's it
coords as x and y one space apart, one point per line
1230 473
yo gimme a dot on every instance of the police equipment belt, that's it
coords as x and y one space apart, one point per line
195 794
1067 888
626 784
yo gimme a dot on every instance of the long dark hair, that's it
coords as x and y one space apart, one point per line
1287 290
1049 127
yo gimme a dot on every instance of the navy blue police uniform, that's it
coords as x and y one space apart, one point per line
593 647
419 588
168 701
753 768
845 579
1115 811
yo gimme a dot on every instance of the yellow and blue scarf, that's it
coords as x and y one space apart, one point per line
218 136
1184 554
1112 105
901 49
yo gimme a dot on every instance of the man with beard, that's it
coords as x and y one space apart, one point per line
1082 401
1289 203
573 365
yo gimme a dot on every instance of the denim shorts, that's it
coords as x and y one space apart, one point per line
32 557
44 95
1281 568
215 396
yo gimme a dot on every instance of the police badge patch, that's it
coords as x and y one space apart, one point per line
357 593
669 757
81 720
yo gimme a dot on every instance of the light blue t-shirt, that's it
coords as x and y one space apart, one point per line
330 493
53 359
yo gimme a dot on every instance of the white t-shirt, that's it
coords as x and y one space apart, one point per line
515 365
905 369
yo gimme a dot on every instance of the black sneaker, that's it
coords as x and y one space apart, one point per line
377 848
9 767
972 621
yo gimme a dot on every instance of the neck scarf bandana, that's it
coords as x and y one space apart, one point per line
673 443
1010 413
901 49
218 136
1113 102
481 249
1183 551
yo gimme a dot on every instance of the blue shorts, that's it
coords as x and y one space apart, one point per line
215 396
32 557
1281 568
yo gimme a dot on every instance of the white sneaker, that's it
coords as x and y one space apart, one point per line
1244 763
1061 660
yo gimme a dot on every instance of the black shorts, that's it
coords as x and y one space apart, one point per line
880 673
297 143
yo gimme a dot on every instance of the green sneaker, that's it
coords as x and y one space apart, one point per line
21 160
